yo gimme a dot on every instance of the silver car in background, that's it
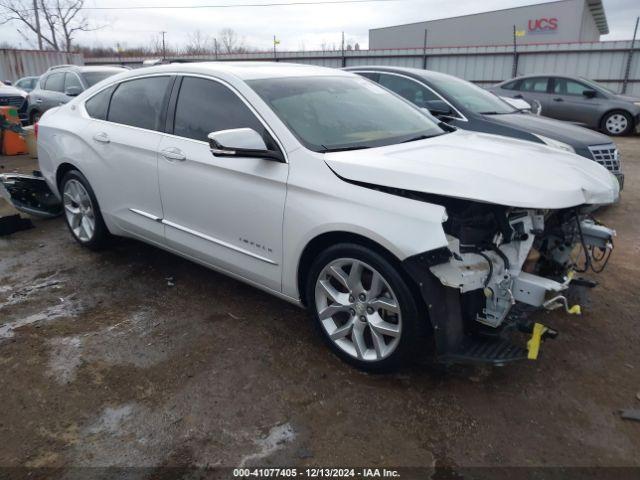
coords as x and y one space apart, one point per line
576 100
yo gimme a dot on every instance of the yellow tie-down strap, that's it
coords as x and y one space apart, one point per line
533 345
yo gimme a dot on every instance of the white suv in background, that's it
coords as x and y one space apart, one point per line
401 236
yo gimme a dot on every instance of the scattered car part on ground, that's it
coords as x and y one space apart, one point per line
30 194
577 100
470 107
13 223
60 84
333 193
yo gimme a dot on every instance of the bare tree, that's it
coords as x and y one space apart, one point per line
228 39
198 43
60 20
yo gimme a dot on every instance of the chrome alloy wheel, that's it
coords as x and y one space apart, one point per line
358 309
79 210
616 123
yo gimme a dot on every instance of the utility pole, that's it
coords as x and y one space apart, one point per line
275 42
344 60
629 58
424 51
37 16
514 71
215 48
164 49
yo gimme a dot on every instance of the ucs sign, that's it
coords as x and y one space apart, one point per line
543 25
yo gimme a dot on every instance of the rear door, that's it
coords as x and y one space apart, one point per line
535 89
226 212
125 136
569 102
52 93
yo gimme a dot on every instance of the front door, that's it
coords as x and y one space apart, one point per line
569 102
226 212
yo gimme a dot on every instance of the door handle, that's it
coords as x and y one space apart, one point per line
517 96
101 137
558 99
173 154
38 100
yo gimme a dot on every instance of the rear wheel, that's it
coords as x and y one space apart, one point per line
81 211
617 123
364 308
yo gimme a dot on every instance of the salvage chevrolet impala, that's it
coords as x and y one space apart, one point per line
402 236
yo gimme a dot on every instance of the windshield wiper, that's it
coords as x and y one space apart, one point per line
342 149
415 139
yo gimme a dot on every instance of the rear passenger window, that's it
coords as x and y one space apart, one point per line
538 85
98 105
511 85
139 103
55 82
205 106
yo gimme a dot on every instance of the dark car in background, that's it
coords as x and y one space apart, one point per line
60 84
577 100
14 97
469 107
26 83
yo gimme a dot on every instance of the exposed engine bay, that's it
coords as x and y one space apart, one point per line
504 257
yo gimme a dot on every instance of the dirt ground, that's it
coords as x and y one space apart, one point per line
135 357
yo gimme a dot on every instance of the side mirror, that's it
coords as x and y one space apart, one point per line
241 142
438 107
589 93
73 91
7 83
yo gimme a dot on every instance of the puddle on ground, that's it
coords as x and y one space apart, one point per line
66 308
278 437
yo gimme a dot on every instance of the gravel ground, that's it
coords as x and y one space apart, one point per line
135 357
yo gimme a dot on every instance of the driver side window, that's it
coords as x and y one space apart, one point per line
206 106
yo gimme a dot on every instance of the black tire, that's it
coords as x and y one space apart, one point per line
414 333
101 234
34 117
609 127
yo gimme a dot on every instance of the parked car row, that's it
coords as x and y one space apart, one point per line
470 107
402 234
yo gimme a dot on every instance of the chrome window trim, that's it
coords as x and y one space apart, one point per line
461 117
186 74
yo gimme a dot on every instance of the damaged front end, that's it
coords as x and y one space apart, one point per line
30 194
501 264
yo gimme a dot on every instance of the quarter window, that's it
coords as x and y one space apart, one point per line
206 106
55 82
140 102
98 105
408 89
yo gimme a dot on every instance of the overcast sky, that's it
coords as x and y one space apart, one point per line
297 27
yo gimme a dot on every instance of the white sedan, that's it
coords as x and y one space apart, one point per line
402 237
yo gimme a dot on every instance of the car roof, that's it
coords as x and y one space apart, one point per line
244 70
83 68
414 72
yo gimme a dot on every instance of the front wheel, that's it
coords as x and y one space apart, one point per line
81 211
365 309
617 123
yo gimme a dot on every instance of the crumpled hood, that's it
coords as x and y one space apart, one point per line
482 167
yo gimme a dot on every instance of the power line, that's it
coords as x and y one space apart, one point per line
237 5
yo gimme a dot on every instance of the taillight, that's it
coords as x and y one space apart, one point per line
35 130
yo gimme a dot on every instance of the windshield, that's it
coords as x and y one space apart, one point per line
91 78
343 113
471 97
